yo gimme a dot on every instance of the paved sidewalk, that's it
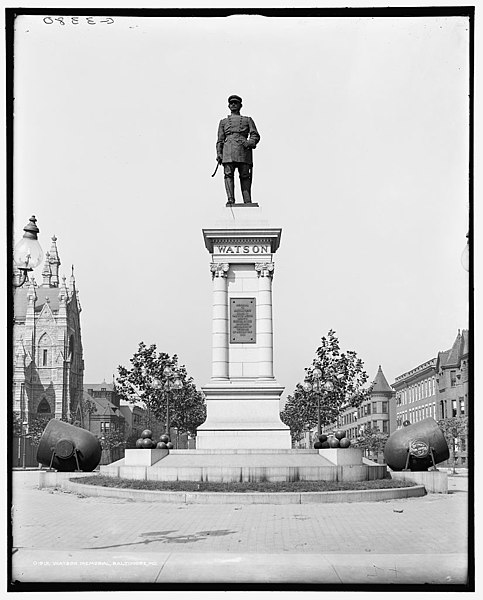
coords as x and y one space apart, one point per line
413 540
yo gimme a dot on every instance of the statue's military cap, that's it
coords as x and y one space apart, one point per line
234 97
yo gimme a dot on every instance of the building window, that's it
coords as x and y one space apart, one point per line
45 355
44 406
384 427
462 444
443 412
453 408
462 407
452 377
384 406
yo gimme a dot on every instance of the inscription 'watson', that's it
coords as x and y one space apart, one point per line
251 249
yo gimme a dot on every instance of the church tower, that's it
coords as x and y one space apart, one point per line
48 359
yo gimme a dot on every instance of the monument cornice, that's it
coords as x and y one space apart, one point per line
242 236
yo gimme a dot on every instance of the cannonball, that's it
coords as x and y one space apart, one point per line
170 446
147 433
318 445
333 442
161 445
344 442
339 434
147 443
139 443
325 444
322 437
164 438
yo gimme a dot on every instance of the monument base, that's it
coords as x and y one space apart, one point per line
248 465
253 410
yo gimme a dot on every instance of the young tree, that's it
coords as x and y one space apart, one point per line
36 429
298 413
111 440
344 371
145 382
86 408
371 439
454 429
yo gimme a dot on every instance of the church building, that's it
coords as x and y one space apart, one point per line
48 361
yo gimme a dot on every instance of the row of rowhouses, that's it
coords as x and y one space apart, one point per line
436 388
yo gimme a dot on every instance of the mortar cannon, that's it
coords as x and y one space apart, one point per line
416 447
65 447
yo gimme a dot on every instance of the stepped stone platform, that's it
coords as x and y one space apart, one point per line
245 465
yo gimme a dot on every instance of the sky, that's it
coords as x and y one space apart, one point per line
363 163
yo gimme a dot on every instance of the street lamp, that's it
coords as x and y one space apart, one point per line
25 432
28 253
313 384
172 382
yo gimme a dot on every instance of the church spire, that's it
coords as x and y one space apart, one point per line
54 263
72 281
47 271
64 293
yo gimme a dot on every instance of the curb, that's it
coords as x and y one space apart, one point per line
88 567
246 498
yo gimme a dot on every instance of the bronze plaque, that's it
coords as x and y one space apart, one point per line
242 321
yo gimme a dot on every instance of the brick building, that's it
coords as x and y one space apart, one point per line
378 411
416 394
452 378
437 388
102 415
135 419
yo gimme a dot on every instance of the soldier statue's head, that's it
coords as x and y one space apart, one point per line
234 102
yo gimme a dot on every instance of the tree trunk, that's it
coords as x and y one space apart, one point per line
454 457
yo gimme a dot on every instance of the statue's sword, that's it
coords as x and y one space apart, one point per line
217 165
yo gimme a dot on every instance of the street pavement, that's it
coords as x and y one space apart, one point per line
67 537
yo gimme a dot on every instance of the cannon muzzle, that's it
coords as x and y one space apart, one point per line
68 448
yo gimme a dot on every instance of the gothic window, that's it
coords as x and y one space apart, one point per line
44 406
44 351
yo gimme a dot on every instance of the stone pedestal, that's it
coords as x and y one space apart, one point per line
243 397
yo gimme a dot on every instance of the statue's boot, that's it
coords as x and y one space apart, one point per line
246 185
230 189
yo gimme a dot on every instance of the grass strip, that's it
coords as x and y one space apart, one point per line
242 487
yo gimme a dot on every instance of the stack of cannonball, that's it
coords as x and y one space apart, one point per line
146 441
337 440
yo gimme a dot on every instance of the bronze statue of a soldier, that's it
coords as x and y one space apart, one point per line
237 137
